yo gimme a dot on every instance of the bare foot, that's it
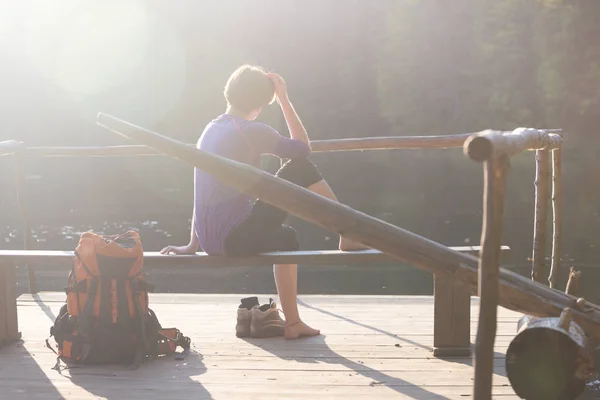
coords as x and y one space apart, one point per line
351 245
298 330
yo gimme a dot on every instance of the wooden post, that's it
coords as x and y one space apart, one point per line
23 209
573 282
542 174
451 318
488 277
557 207
9 326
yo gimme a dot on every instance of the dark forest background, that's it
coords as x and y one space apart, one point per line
354 68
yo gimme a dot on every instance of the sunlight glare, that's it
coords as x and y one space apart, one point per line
110 55
88 47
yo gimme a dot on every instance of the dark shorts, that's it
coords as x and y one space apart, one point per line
263 231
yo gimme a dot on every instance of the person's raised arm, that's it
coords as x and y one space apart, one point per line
292 120
191 247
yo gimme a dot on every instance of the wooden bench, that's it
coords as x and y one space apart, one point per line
452 305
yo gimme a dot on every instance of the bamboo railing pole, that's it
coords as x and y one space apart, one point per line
557 214
20 161
394 142
488 275
318 146
542 196
572 287
516 292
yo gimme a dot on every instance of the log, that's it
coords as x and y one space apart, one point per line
484 145
397 142
353 144
516 292
489 264
573 282
153 259
542 196
557 214
550 358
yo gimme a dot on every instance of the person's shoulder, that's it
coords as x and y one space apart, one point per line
212 129
259 127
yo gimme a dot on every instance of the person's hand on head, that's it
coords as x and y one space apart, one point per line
280 86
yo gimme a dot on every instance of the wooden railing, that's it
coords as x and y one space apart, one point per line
481 276
494 149
20 150
457 274
357 144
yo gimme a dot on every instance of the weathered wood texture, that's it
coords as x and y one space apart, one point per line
484 145
451 299
9 325
352 144
516 292
557 217
488 271
452 316
24 212
542 198
573 282
373 347
550 358
44 258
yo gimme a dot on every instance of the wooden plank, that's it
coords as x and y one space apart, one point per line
42 258
243 391
119 377
452 319
372 347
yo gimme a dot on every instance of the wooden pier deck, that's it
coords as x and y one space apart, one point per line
372 347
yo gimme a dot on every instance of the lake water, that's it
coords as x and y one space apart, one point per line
392 279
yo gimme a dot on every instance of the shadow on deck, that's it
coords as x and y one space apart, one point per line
371 347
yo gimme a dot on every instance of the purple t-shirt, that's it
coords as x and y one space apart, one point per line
219 207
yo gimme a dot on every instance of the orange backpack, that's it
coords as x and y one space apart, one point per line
106 318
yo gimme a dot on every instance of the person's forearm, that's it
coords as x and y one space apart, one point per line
294 124
194 244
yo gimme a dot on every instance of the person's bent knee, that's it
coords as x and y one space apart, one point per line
300 171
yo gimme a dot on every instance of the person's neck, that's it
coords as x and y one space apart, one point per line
232 111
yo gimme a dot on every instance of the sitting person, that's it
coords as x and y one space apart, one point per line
229 222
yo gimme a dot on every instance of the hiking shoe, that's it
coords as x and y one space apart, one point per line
244 316
266 321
